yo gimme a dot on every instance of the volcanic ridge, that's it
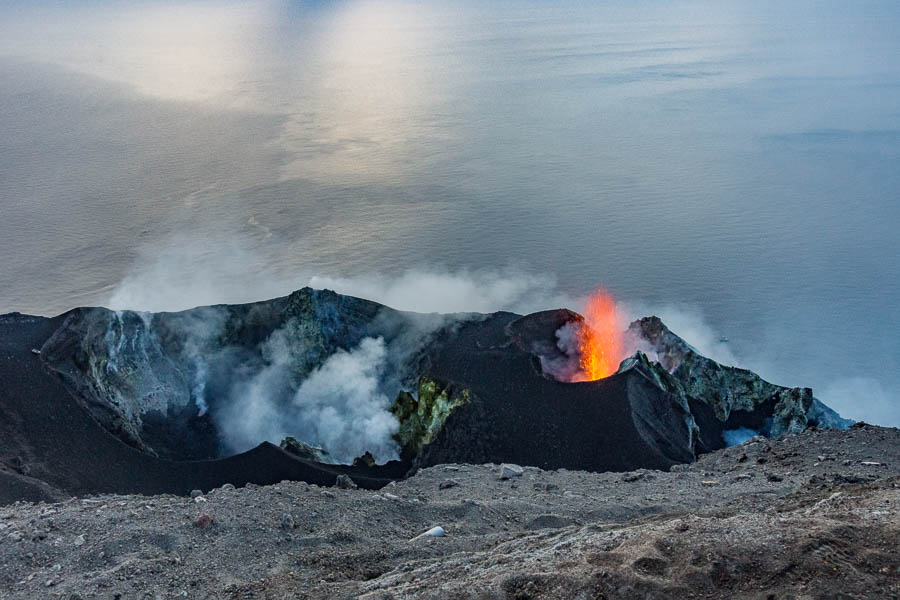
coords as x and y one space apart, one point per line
100 401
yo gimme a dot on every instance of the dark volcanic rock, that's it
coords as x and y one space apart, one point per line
152 379
305 451
723 397
143 392
517 414
68 452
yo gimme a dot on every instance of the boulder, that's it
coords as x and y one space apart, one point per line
305 451
344 482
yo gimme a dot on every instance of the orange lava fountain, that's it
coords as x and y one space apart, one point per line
600 342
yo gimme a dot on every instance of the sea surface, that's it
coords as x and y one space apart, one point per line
735 165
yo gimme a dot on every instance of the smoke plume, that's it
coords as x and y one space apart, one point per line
186 272
344 404
341 406
443 291
862 399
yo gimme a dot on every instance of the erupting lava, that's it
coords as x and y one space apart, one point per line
600 340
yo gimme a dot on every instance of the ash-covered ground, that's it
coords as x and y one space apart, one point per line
814 515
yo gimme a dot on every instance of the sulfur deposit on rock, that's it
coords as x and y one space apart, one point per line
421 418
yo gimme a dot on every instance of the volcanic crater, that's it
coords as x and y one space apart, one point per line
177 401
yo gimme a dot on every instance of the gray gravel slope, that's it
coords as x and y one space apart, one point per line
805 516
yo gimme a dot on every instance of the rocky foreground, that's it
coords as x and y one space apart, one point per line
813 515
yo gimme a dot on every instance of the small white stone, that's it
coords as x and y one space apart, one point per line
433 532
510 471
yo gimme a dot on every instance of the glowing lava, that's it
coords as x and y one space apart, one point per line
600 341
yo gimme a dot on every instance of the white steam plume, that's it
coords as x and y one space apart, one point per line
445 291
862 399
183 273
255 409
340 406
566 366
688 323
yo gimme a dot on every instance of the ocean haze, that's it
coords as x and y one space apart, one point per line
730 163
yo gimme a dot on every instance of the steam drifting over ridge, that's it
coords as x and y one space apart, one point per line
187 273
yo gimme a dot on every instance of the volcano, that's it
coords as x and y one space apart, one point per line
96 401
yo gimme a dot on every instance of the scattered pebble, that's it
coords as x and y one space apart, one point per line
325 525
203 521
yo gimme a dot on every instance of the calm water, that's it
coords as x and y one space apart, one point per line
739 160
